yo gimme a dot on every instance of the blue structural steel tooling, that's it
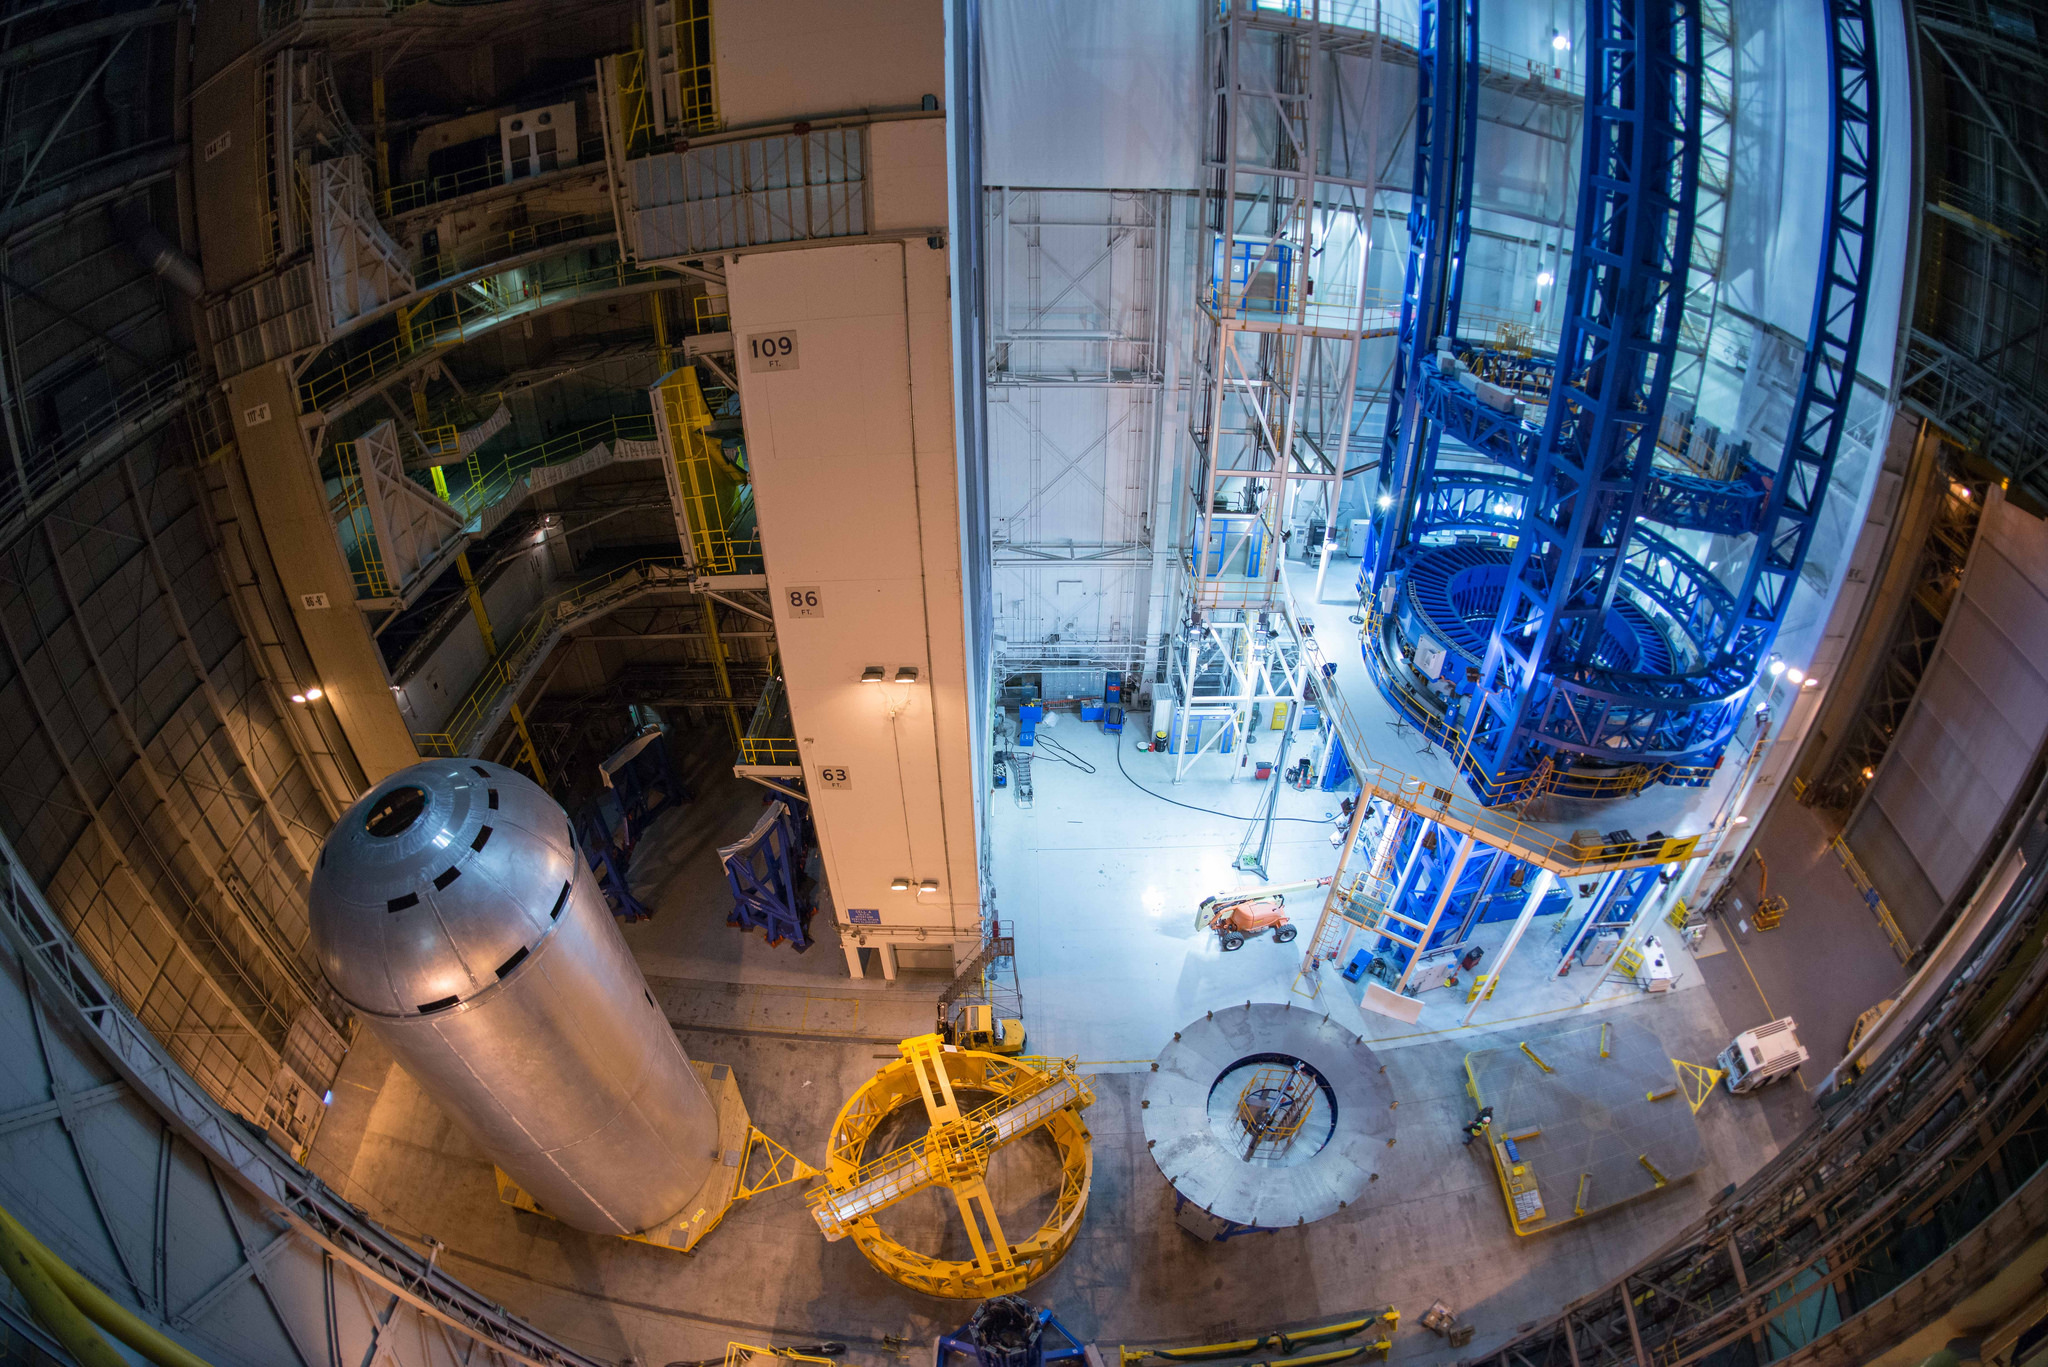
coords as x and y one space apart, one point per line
765 870
1609 642
1620 331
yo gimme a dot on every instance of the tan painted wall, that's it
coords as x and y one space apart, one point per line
907 175
807 59
852 457
227 187
292 507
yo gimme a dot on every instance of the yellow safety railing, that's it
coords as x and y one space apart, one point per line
491 477
528 237
635 109
1495 826
418 194
349 509
1873 899
708 483
769 750
696 79
456 314
556 613
711 312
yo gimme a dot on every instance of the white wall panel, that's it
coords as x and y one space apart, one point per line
1090 95
854 477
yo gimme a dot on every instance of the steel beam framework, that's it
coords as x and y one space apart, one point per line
1622 310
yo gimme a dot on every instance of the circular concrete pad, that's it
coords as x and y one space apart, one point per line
1204 1172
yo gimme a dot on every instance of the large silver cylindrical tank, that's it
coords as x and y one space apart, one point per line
452 911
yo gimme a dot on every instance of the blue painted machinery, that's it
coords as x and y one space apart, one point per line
1445 885
640 782
609 857
1008 1331
1529 617
765 870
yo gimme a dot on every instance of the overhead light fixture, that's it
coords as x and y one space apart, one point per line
1795 675
1811 682
1386 500
928 885
899 885
1868 773
1560 42
873 674
1742 821
313 695
1777 667
298 697
906 674
1544 279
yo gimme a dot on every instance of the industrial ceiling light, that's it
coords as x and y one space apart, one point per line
899 885
1544 279
1795 675
906 674
1777 666
298 697
1742 820
1560 42
928 885
313 695
1868 773
872 674
1386 500
1811 682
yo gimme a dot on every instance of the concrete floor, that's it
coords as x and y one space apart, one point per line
1102 882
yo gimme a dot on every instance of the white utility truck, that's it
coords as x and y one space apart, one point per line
1761 1056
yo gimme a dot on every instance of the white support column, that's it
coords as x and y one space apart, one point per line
853 969
1443 899
887 952
1544 882
1593 913
1652 906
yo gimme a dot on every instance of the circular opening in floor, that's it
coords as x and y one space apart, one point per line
394 813
1272 1110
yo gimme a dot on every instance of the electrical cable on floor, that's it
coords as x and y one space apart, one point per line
1205 811
1052 749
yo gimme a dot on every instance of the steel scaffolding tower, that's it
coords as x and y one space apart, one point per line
1277 342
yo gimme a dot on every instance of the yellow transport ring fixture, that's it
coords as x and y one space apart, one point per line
955 1152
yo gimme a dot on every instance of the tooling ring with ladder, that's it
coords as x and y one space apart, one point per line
1028 1093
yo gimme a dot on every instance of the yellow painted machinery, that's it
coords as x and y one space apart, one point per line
977 1027
1027 1094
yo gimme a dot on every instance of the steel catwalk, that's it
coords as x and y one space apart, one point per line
452 910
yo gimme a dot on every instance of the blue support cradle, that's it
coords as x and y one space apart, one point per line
766 872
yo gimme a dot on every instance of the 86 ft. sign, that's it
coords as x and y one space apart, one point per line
804 600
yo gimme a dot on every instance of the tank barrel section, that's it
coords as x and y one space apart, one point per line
453 912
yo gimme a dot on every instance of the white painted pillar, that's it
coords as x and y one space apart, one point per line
1544 883
1652 906
887 952
852 960
1594 913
